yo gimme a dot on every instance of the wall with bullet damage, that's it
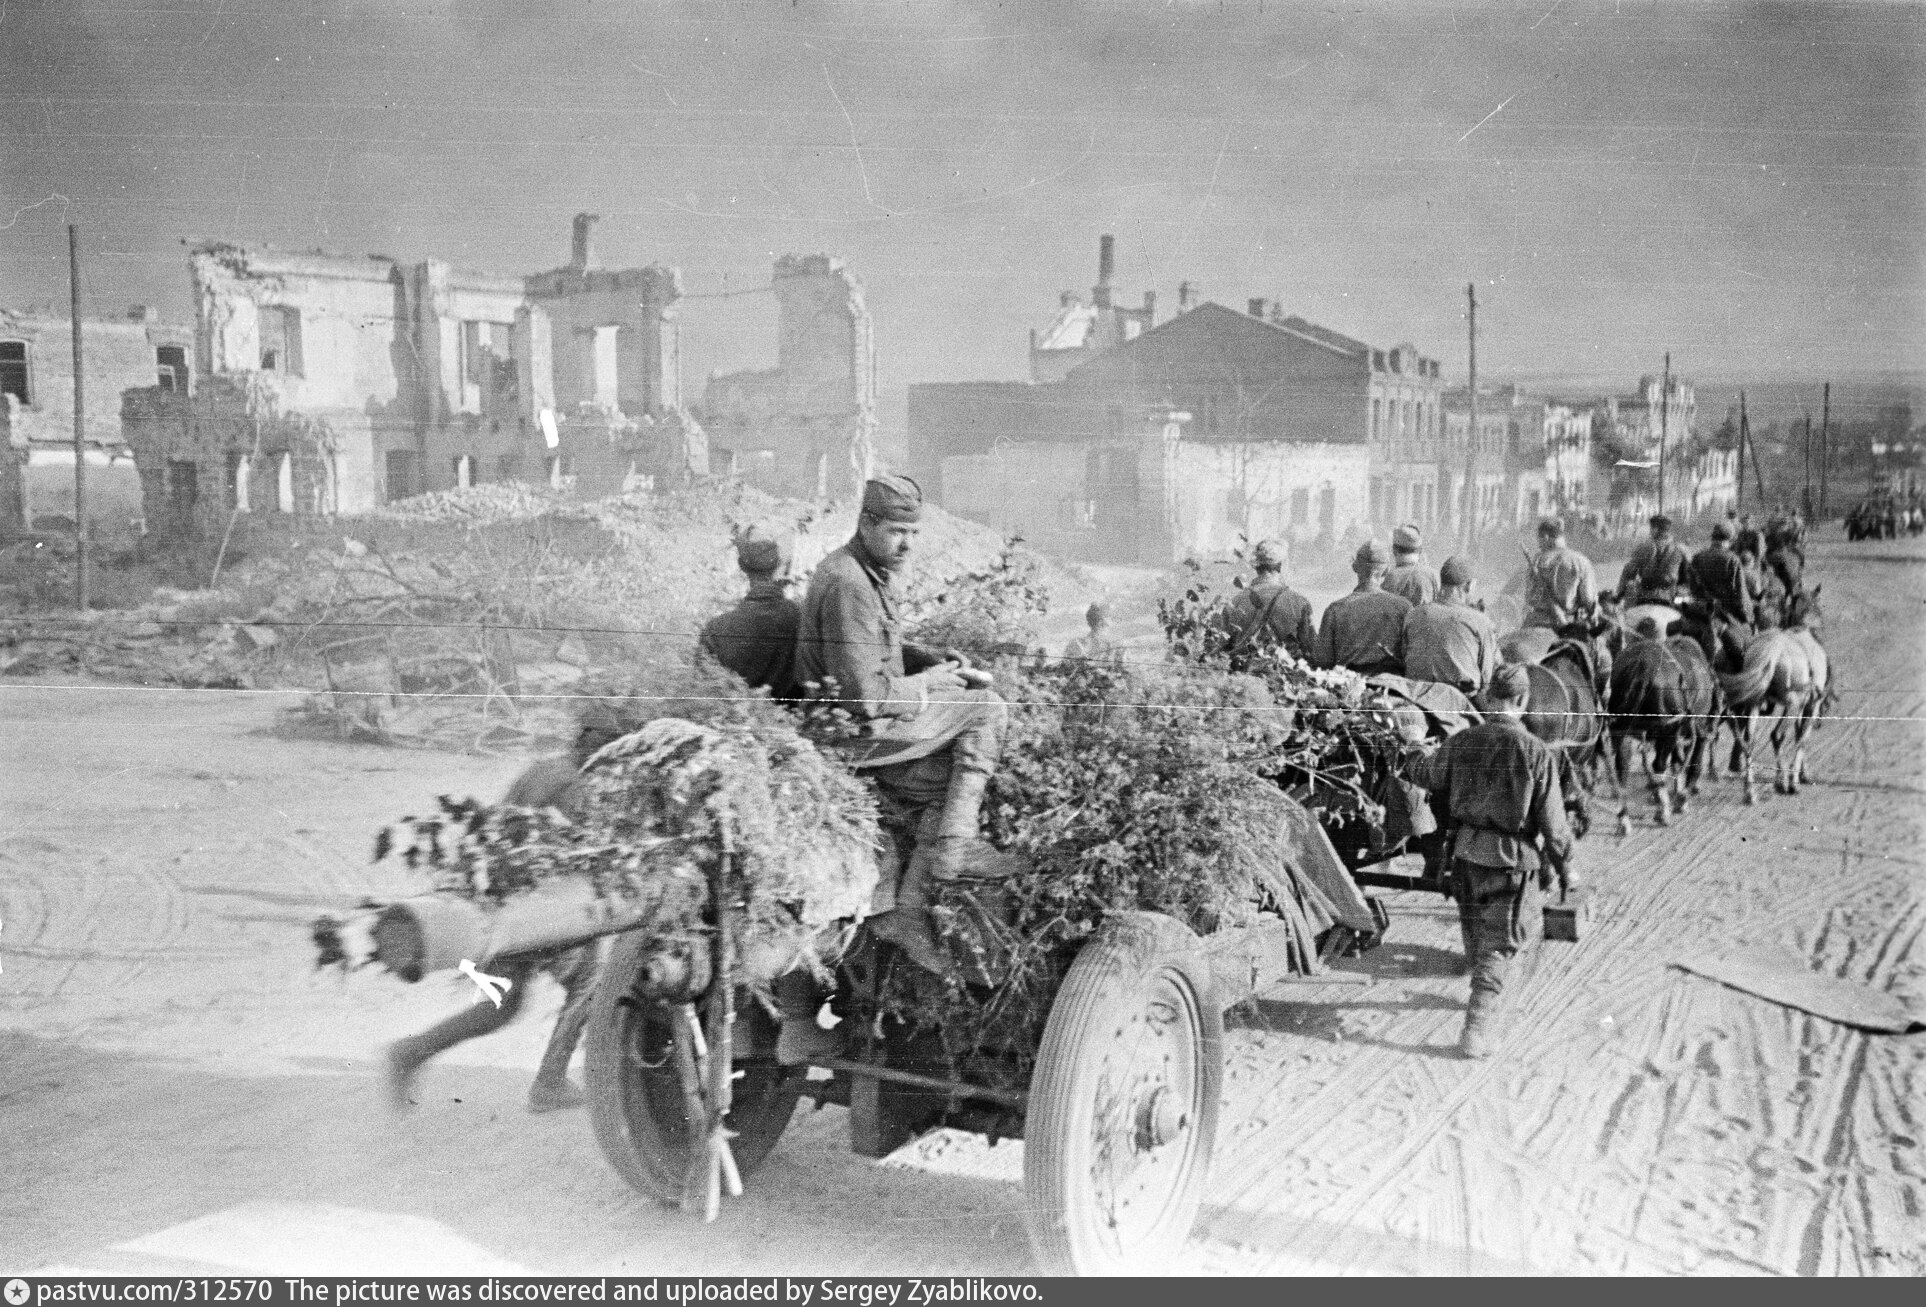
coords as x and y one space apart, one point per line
807 426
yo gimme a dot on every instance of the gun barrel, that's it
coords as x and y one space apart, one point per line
434 932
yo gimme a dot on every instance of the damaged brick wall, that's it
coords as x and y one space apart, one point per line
807 426
227 445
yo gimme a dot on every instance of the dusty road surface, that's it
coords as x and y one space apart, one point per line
180 1092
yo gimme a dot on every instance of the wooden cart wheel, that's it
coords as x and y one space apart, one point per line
635 1101
1123 1106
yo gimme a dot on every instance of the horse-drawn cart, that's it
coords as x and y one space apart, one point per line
1119 1113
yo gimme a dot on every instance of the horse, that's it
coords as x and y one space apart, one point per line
1786 677
1662 693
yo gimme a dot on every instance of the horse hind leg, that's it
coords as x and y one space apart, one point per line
1748 733
1615 769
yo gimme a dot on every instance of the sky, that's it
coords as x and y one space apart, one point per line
1740 185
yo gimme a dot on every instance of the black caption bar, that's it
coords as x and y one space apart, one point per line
661 1291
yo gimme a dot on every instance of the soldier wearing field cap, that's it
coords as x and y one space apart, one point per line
1267 614
1361 630
931 728
1499 791
757 638
1447 640
1723 594
1560 586
1657 566
1411 577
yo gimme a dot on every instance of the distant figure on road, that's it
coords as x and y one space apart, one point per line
1560 586
1655 569
1267 614
1498 787
1361 630
1411 578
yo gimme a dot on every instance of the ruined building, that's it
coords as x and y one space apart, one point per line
37 411
807 426
1080 331
325 383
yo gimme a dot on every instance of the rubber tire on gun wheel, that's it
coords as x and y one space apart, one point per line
637 1110
1136 1025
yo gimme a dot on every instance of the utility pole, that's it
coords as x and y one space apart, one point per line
1805 497
1471 439
1739 504
1745 439
1665 420
1825 446
80 426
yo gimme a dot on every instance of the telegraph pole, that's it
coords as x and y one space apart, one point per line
1471 440
1665 420
1805 498
1739 504
80 426
1825 446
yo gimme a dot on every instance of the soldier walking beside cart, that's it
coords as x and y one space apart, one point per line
1448 641
1500 793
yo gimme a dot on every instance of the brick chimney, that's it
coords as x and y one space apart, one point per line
1106 265
1186 297
581 254
1255 308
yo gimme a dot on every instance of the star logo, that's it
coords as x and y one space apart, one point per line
17 1292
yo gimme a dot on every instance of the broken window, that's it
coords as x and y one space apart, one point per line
281 340
170 363
485 349
284 484
602 367
239 470
13 370
464 471
404 474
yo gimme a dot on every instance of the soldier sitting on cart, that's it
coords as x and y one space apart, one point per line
1500 792
757 638
931 733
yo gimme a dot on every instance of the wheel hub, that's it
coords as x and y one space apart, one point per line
1160 1119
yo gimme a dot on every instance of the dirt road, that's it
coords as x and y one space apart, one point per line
180 1092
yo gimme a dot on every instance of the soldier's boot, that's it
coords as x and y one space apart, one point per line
1480 1037
802 1041
942 848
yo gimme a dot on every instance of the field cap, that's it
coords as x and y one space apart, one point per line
1720 531
1456 571
893 498
1407 538
1269 553
1552 529
1660 522
1371 554
1510 682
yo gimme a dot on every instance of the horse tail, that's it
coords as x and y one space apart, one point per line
1754 677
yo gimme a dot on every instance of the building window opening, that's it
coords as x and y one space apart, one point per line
403 474
284 484
602 367
13 370
281 340
464 471
239 470
170 366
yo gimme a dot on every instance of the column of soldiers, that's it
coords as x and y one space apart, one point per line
930 726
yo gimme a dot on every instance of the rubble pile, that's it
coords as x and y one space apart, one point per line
475 618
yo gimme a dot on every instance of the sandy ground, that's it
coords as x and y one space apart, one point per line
180 1092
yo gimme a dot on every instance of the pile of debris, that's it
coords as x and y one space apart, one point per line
474 618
